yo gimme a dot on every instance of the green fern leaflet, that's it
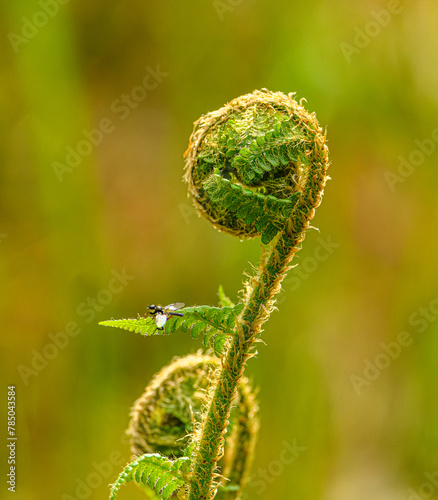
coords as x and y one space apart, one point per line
267 212
215 323
161 475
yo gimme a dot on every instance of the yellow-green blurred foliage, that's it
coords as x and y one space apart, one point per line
365 424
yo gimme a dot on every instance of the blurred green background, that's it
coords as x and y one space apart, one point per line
337 377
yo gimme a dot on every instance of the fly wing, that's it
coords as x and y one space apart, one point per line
160 320
174 306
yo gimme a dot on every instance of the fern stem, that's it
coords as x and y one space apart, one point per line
256 311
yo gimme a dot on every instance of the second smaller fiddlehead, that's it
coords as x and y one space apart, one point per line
165 419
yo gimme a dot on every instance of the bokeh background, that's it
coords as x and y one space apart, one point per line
363 422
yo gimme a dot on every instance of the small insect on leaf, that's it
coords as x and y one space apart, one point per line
162 314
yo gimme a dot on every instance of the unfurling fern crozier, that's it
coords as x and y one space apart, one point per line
248 165
255 168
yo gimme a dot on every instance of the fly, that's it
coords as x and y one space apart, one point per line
162 314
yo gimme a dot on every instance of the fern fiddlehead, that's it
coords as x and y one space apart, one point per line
164 418
256 167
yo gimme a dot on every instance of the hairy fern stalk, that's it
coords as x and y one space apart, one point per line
255 168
